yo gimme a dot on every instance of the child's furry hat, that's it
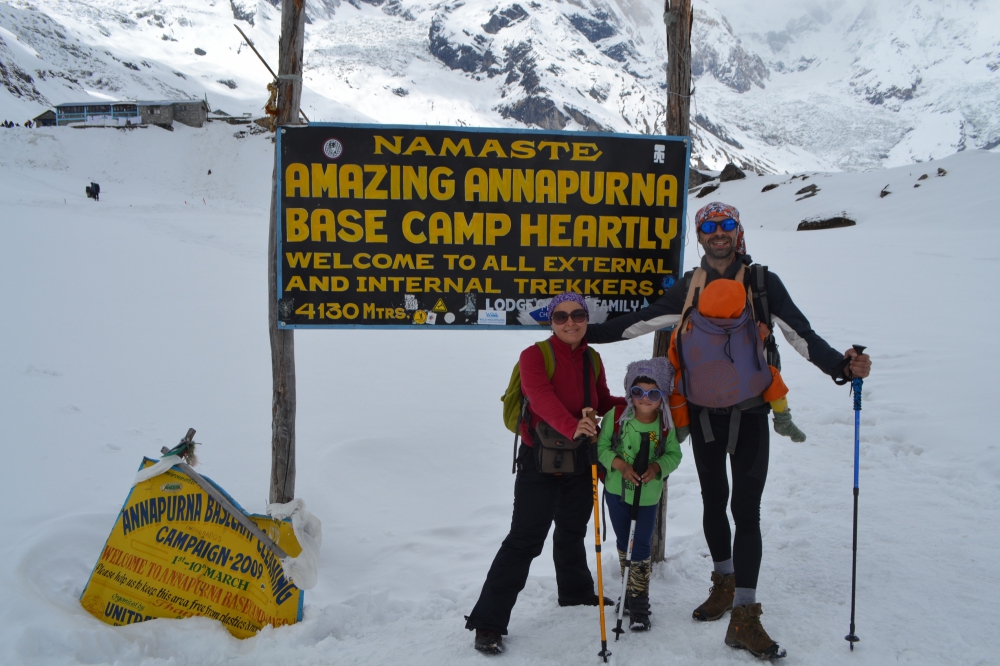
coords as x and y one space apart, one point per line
660 371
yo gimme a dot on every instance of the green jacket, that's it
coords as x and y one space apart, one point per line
631 436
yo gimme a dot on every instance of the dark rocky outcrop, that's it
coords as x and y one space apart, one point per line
521 66
808 191
18 82
620 51
504 18
716 50
876 95
242 12
538 111
586 122
829 223
696 178
768 188
731 172
705 191
594 29
462 56
702 121
598 93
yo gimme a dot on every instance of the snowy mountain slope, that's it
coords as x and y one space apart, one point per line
784 87
137 317
912 79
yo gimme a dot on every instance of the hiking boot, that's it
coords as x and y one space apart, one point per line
720 598
746 633
592 601
639 612
489 641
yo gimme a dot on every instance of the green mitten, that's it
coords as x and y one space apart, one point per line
783 426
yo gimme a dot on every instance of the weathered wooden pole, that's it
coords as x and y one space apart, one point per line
290 46
679 18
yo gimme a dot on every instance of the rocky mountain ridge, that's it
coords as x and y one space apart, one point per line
841 85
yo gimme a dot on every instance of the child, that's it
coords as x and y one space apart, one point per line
647 383
726 299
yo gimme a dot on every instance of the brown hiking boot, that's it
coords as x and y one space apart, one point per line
746 633
720 598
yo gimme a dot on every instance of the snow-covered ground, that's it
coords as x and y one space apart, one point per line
129 320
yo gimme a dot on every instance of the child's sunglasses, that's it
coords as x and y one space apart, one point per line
709 226
579 316
654 395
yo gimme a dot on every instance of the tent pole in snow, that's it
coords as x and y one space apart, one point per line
604 653
290 45
856 383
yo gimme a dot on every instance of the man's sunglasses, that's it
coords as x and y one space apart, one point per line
709 226
654 395
561 317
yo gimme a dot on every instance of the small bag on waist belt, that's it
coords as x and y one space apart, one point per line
557 454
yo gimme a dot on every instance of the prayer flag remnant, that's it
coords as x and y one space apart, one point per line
382 225
175 552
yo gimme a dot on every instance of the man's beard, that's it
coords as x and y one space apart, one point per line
719 253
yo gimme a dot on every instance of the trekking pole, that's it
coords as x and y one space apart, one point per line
604 653
640 466
856 390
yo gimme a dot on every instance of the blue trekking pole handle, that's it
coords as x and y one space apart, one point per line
856 384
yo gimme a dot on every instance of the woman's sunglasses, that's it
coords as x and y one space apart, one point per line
561 317
654 395
709 226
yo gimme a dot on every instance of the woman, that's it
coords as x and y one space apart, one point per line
541 499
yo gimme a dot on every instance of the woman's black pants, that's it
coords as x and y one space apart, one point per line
539 500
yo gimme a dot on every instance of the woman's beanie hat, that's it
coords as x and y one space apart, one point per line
562 298
660 371
719 208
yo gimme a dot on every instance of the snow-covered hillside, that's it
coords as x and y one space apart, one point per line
131 319
780 86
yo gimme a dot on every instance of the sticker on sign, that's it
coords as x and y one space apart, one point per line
492 318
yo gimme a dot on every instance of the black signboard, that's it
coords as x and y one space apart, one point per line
384 225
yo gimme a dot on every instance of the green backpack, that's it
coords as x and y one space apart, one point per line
515 403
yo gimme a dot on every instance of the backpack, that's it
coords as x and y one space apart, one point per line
515 403
726 356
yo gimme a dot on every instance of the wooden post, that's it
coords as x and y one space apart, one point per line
290 45
679 18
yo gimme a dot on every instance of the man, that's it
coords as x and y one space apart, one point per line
737 563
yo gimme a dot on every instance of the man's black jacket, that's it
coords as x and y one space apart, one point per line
666 311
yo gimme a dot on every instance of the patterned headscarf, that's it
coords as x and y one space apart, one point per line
567 296
719 208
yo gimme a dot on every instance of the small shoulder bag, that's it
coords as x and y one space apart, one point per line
555 453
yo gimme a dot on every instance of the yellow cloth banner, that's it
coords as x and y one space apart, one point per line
175 552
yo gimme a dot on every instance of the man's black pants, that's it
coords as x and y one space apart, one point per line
749 467
539 500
